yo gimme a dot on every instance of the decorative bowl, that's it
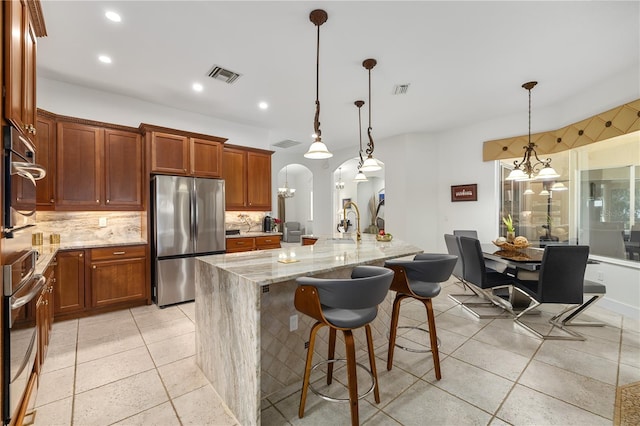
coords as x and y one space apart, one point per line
509 246
385 237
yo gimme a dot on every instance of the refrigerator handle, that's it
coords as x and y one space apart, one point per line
194 213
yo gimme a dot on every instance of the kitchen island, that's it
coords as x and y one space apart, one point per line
250 340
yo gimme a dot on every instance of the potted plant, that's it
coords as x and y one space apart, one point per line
511 231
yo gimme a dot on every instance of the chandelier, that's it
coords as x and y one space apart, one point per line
318 150
524 170
370 164
360 177
286 192
340 183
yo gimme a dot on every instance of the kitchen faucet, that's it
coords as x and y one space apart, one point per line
344 207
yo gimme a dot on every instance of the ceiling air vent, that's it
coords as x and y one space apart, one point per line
287 143
222 74
400 89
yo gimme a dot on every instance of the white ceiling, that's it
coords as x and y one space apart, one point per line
464 61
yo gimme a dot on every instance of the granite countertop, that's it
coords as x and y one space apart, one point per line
330 253
47 251
251 234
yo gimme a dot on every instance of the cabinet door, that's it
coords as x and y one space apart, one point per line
46 156
235 177
14 73
118 281
259 181
29 88
123 167
69 284
79 165
169 153
206 158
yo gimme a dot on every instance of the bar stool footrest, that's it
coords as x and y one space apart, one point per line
419 351
332 399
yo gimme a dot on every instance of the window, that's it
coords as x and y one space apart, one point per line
595 201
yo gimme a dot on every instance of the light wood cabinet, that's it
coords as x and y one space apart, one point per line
185 155
20 67
247 175
266 243
118 275
69 286
98 168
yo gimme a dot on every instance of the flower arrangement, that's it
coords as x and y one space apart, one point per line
275 221
508 221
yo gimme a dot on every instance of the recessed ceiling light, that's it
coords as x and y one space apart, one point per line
197 87
104 59
113 16
263 105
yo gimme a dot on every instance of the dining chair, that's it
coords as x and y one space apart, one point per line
591 288
471 233
345 305
483 280
453 248
418 279
561 280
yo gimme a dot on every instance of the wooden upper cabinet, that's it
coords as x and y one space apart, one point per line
206 157
183 155
247 175
234 174
45 144
169 153
259 180
20 67
123 169
79 165
98 168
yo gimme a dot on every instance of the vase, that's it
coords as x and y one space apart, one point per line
511 236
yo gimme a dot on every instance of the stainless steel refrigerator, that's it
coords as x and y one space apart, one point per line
188 221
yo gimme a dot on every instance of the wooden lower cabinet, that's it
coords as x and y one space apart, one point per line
235 245
44 316
69 286
118 275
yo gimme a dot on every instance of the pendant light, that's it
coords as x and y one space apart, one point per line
524 170
286 192
360 177
318 150
370 164
340 183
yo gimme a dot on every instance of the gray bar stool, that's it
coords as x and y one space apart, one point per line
419 279
343 304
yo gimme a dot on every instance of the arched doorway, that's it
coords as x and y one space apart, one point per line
296 206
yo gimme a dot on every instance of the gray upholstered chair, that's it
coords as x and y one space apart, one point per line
561 280
419 279
482 280
343 304
471 233
292 232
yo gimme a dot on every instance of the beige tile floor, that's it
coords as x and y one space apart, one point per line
137 367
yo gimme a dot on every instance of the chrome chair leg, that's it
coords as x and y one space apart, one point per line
491 300
569 319
573 335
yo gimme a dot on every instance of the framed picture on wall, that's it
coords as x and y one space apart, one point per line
467 192
346 201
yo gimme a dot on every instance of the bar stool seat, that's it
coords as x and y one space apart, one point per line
345 305
419 279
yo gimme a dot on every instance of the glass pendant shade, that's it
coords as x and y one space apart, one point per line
360 177
370 165
544 192
318 151
528 192
517 174
559 186
547 172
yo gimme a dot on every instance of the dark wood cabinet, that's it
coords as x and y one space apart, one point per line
69 286
98 168
184 155
44 316
123 169
118 275
267 243
20 67
45 143
236 245
247 175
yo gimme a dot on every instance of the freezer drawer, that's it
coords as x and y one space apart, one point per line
175 280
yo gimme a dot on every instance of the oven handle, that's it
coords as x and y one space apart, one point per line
36 284
31 171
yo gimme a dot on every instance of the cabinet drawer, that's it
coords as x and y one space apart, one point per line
121 252
239 244
268 242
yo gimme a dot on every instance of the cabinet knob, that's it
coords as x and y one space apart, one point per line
97 201
107 201
94 266
51 201
80 255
